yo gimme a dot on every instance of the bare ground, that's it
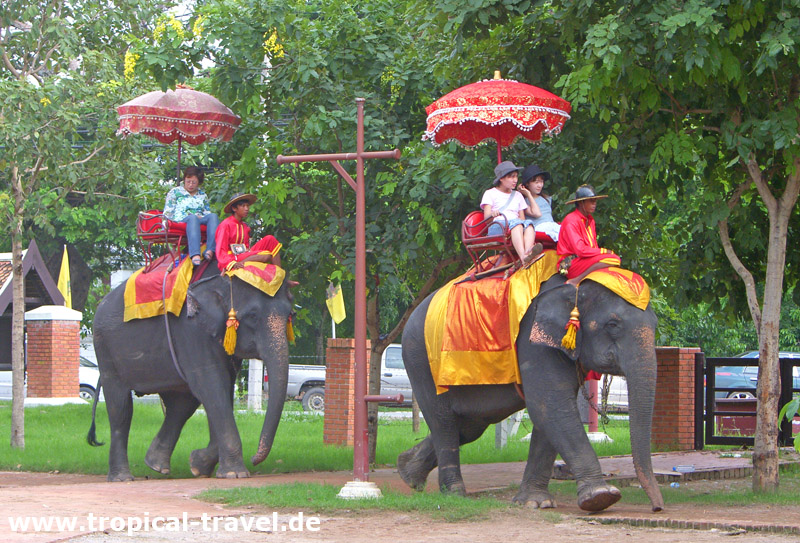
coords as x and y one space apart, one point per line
26 494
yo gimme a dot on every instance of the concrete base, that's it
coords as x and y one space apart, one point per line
37 402
599 437
356 490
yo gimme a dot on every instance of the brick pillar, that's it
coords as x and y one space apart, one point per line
53 352
340 377
673 416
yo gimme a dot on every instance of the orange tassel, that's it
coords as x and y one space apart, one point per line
290 331
573 324
230 333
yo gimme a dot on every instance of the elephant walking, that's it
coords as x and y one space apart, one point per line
135 357
614 337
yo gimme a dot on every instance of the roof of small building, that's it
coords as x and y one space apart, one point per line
41 283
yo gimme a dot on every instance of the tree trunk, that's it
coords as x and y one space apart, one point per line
17 318
765 450
374 387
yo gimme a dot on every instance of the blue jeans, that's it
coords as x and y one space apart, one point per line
496 228
193 223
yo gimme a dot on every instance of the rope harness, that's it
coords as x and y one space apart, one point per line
166 325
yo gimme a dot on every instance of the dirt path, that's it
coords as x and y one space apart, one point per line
81 497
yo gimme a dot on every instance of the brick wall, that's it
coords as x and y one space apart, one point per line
53 357
673 416
340 391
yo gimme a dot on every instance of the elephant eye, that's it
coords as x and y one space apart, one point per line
613 326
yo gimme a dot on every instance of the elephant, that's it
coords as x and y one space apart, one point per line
614 337
135 357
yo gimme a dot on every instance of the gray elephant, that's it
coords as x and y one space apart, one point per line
135 356
614 337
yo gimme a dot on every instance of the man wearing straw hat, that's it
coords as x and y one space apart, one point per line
233 238
577 241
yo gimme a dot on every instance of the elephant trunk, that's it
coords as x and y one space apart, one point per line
277 362
641 380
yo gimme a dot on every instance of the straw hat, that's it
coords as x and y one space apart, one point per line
240 197
584 192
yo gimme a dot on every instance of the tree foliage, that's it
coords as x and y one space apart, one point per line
59 81
716 86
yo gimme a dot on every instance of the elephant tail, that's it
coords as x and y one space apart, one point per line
91 437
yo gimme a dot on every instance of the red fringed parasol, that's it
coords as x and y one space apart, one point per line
500 110
183 114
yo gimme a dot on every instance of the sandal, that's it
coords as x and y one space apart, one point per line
208 255
196 260
535 250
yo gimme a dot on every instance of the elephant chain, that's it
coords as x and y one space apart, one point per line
592 405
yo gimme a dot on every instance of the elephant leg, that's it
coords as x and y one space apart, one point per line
119 406
415 464
551 391
179 407
533 489
444 436
447 441
203 461
214 390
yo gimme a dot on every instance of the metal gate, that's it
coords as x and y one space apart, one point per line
712 413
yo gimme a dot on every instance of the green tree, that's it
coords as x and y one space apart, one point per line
716 85
60 65
292 71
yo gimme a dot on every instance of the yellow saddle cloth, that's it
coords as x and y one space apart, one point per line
471 327
630 286
146 294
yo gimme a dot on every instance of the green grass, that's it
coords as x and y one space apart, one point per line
726 492
322 498
55 440
319 498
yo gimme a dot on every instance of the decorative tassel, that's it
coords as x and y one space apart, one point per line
230 333
290 331
573 324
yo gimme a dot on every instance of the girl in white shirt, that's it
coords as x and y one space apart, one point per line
508 206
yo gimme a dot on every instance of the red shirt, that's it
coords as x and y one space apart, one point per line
230 231
578 237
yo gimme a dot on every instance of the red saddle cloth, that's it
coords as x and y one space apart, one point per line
147 294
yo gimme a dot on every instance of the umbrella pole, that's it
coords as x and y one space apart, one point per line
499 153
179 160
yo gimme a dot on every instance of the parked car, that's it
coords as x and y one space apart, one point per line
746 377
307 382
88 374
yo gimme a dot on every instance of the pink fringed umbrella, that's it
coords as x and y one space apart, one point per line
183 114
500 110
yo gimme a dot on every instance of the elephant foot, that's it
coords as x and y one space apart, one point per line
120 477
201 464
240 474
536 499
457 489
596 497
157 463
412 471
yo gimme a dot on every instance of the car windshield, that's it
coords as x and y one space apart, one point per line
86 363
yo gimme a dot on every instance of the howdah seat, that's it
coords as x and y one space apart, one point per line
153 228
480 245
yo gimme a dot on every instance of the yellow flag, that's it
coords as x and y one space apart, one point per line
335 303
63 280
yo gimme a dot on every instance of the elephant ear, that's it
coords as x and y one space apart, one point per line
207 302
192 305
551 313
